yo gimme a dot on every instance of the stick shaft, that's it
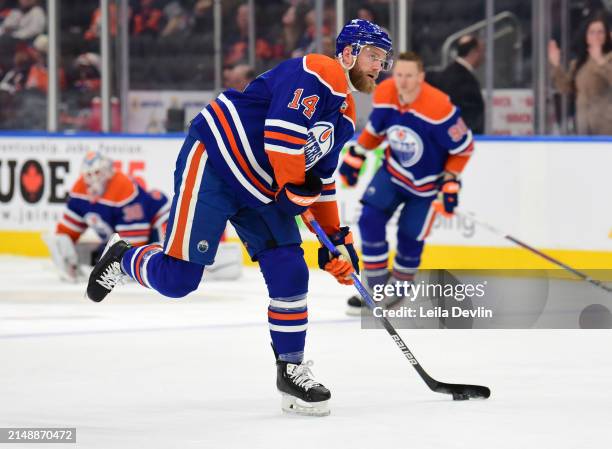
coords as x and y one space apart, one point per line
431 383
575 272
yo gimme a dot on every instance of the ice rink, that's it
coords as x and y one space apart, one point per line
140 371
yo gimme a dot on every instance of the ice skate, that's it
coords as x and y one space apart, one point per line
107 272
301 394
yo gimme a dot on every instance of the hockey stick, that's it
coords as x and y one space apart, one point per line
458 391
494 230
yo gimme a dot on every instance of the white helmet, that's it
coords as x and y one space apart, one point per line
96 170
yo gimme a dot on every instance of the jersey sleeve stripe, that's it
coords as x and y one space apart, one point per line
234 147
369 141
326 198
288 168
288 125
76 218
63 229
244 140
370 128
284 137
230 162
71 226
283 149
77 224
133 226
465 145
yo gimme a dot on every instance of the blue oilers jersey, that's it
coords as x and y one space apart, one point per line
424 139
289 120
135 214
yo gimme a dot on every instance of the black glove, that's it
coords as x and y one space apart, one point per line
296 199
351 165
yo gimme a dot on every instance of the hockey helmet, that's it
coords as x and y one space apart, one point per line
96 170
358 33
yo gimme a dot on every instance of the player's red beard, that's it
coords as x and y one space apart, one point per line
361 81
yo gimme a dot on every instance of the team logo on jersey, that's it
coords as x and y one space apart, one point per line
406 145
95 222
320 142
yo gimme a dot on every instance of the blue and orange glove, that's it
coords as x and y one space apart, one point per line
296 199
352 163
341 266
448 197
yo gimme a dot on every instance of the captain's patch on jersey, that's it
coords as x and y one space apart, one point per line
406 145
320 142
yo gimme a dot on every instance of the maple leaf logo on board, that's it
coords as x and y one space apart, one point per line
32 181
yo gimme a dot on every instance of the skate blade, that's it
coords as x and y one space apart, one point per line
293 405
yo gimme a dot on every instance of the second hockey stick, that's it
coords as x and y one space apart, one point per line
494 230
458 391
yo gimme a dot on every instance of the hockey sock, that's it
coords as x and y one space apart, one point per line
408 258
375 261
171 277
286 276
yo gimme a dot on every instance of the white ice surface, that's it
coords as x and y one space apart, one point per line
139 371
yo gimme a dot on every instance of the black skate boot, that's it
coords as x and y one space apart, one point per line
301 393
107 272
354 305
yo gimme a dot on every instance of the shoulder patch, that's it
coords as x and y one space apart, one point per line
119 191
386 94
328 71
432 105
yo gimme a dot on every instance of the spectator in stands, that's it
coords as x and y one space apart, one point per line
461 85
38 77
93 32
367 13
589 78
25 22
21 26
307 43
85 74
237 51
5 10
292 28
238 77
201 20
176 20
15 79
147 19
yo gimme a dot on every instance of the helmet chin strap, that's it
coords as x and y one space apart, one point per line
347 69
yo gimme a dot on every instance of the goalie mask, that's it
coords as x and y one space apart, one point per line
96 170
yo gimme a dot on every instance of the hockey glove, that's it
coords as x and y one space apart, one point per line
296 199
448 197
351 165
341 266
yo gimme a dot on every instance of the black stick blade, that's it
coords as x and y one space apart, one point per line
461 392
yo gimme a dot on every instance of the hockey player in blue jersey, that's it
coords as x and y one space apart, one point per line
428 145
258 158
106 201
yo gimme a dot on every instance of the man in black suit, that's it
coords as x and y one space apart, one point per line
459 82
